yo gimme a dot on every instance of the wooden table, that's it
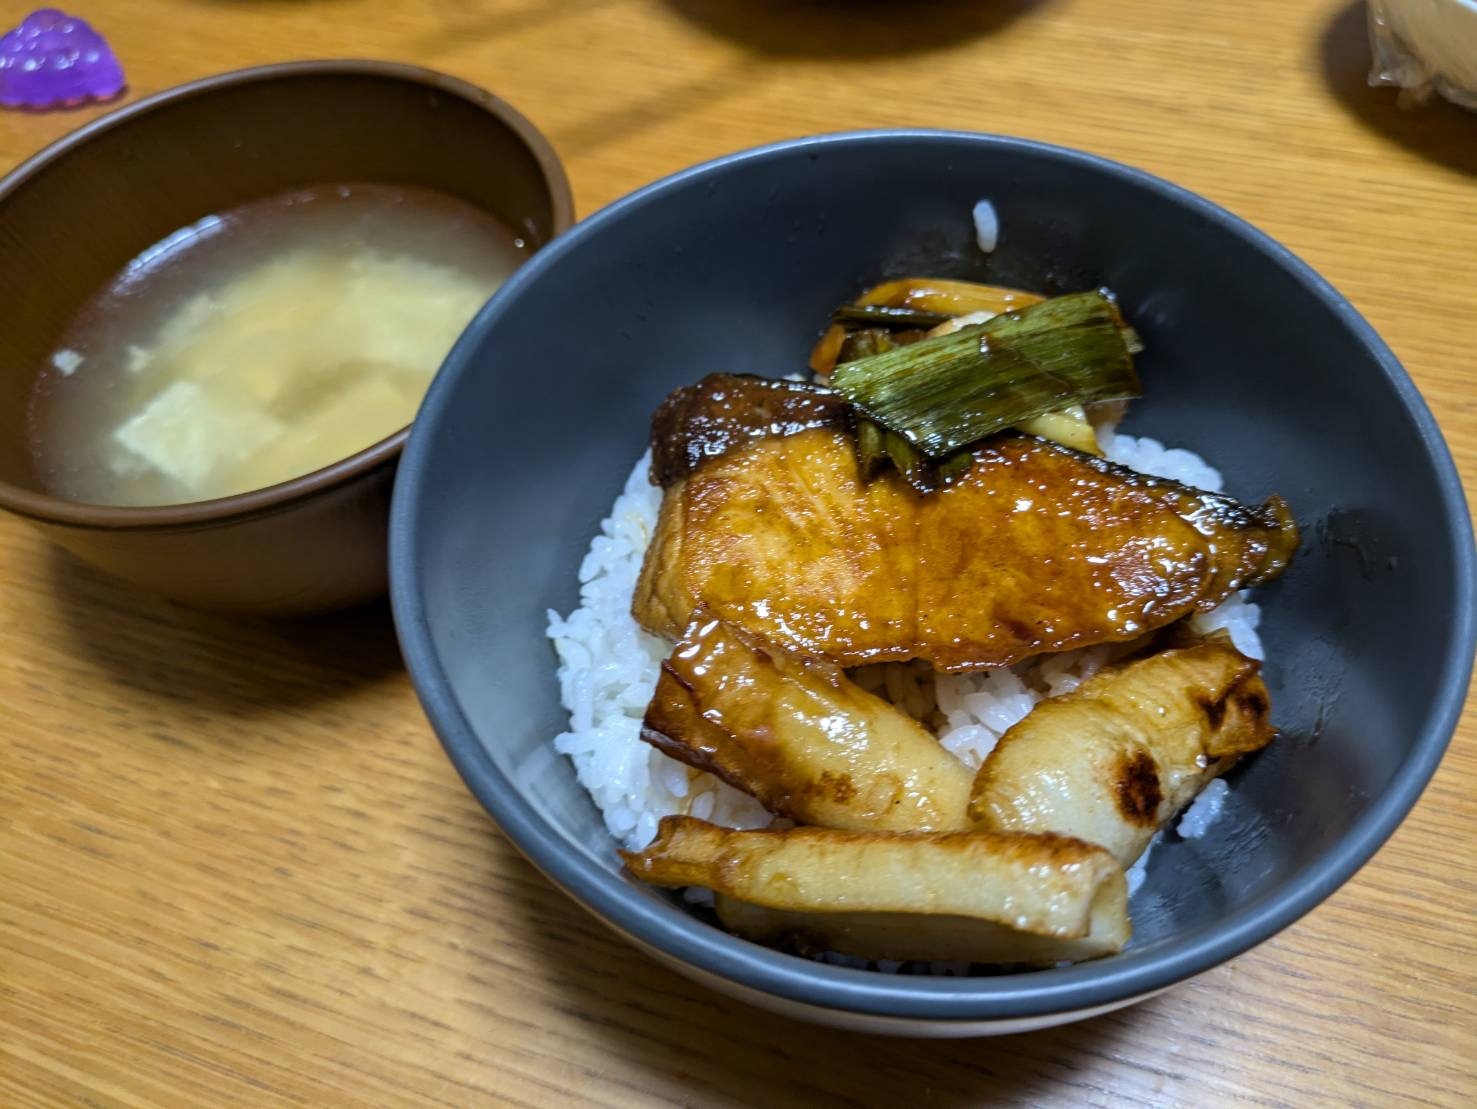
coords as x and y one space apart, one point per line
235 866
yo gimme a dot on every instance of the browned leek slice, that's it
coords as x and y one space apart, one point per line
982 898
950 391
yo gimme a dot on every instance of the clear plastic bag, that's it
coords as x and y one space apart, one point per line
1425 48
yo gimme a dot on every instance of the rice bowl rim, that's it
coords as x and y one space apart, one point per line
656 924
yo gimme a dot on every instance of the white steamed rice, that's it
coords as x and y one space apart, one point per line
608 669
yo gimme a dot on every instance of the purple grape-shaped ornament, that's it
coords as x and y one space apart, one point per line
56 60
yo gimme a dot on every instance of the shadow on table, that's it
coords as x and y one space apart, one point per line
1439 131
466 23
729 1054
629 119
851 28
774 30
216 662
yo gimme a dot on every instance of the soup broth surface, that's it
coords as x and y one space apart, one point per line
262 343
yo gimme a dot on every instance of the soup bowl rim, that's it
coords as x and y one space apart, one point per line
47 508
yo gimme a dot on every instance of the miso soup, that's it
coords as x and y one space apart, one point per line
262 343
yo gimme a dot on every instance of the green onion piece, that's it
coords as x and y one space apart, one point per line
944 393
876 447
879 315
864 344
871 454
917 471
955 466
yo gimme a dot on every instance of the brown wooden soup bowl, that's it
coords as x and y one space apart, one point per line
75 214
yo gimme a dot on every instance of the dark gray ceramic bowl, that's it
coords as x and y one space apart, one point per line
1252 360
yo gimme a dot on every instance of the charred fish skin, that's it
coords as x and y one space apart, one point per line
767 522
722 412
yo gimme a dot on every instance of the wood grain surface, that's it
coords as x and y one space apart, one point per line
235 867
